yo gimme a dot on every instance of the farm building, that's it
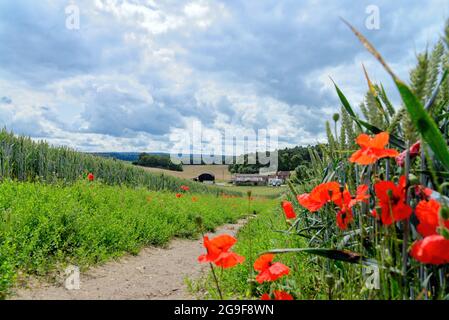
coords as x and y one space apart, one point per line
206 177
250 179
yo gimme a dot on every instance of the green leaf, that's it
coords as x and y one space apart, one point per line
393 139
346 105
442 174
375 130
424 123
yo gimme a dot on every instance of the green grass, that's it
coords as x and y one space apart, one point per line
43 226
258 236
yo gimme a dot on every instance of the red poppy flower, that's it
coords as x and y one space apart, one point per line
319 196
431 250
228 260
278 295
344 218
194 199
90 177
185 188
427 213
179 195
288 210
372 149
218 251
345 200
265 296
414 152
269 271
392 201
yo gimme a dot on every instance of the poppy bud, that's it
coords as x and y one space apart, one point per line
249 193
444 213
444 232
377 212
336 117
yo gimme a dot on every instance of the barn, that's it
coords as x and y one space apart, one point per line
206 177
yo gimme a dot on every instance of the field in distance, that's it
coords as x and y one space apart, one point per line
221 172
223 176
259 191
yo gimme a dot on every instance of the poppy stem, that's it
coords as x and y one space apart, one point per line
407 221
250 231
216 281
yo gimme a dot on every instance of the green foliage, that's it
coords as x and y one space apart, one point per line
43 226
288 160
367 240
26 160
259 236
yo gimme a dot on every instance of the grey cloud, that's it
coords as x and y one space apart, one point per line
120 113
267 50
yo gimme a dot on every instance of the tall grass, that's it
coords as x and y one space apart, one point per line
345 248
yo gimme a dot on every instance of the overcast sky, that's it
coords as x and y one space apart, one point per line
138 73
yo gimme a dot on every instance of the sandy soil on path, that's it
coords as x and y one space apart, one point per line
154 274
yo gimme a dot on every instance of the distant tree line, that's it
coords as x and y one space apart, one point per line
124 156
157 161
289 159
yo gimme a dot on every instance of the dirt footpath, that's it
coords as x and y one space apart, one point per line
154 274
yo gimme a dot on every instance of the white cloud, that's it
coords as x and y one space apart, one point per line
139 73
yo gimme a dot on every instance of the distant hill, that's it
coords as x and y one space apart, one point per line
124 156
134 156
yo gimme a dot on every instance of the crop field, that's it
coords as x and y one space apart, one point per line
221 172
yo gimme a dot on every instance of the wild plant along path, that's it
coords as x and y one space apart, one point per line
156 273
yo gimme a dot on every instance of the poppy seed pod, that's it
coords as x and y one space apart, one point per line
336 117
413 180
